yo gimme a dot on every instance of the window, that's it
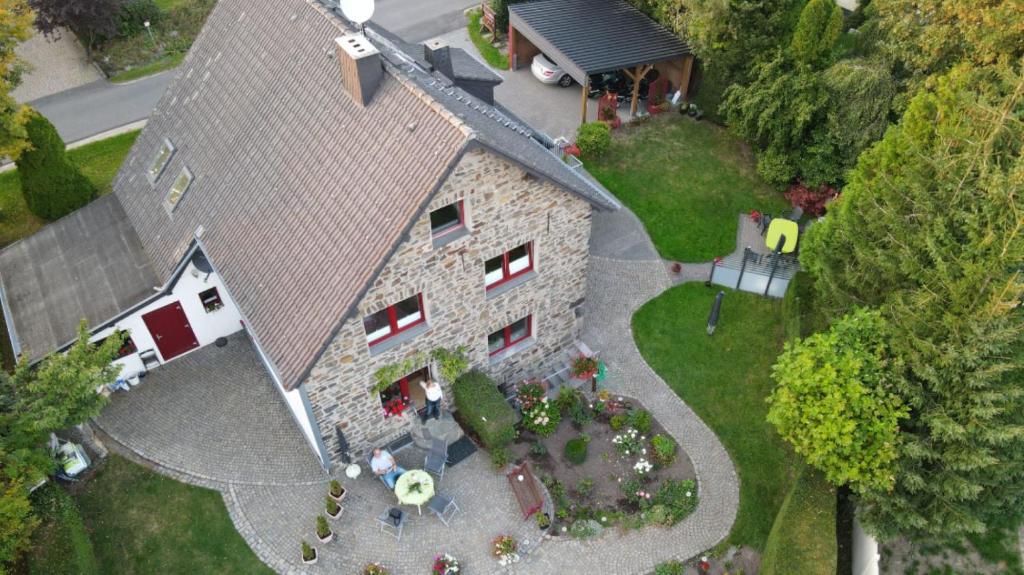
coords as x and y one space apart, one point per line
404 394
211 300
508 265
127 347
394 319
509 335
446 220
163 155
179 188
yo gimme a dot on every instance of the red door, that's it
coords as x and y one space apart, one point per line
170 330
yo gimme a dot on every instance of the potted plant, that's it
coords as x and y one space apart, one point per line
374 569
445 564
323 530
503 547
584 367
543 520
309 555
337 491
677 267
333 509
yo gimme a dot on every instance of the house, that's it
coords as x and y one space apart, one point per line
348 200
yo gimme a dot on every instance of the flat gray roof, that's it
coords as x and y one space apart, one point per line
589 36
88 264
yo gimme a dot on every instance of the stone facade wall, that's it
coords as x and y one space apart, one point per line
504 208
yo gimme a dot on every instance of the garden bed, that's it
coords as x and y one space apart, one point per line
620 478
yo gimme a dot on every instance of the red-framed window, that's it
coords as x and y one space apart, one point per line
448 219
511 264
510 335
394 319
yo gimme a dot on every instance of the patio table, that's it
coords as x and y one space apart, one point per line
778 228
408 496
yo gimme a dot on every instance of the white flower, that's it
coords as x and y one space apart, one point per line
603 518
563 528
483 418
688 494
644 451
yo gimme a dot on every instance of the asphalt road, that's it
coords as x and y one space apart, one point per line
100 106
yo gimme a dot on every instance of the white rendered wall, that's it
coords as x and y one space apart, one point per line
207 326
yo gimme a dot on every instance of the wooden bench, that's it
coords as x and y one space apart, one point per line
527 491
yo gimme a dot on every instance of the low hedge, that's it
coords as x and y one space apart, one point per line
484 409
576 450
803 537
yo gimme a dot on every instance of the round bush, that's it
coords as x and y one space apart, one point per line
576 450
594 139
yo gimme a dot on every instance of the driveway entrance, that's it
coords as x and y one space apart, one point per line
214 414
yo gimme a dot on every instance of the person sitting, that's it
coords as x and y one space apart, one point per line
385 467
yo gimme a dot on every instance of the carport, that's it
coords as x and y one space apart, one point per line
587 37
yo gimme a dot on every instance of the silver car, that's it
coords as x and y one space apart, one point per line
548 72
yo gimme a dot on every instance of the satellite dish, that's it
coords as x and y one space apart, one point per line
358 11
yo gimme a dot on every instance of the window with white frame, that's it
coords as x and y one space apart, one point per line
178 188
510 335
163 155
509 265
394 319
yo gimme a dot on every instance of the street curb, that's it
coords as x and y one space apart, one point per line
130 127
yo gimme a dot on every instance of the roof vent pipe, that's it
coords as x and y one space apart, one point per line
361 67
439 55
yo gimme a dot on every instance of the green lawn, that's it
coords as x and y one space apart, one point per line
141 522
494 57
803 539
687 181
725 379
99 161
164 63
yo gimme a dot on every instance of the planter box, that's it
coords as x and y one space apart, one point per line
335 517
327 539
339 497
310 561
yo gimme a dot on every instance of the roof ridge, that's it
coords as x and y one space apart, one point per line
427 99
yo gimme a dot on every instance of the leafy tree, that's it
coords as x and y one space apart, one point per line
51 184
928 230
820 24
62 390
835 404
931 36
15 27
92 21
16 521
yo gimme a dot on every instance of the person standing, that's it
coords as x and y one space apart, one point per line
434 397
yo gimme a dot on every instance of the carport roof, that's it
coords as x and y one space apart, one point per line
589 36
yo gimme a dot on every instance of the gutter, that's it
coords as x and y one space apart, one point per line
9 322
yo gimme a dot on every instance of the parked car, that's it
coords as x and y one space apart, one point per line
548 72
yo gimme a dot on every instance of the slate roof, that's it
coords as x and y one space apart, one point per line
88 265
299 195
590 36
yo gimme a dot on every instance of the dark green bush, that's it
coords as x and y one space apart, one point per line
52 185
594 139
567 398
670 568
640 420
664 449
134 13
484 409
576 450
500 456
679 498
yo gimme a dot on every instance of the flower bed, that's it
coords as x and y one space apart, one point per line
607 462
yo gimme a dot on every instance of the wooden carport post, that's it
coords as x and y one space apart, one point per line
637 75
583 93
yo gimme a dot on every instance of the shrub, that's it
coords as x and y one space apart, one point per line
567 398
585 487
583 529
484 409
322 528
336 488
539 415
332 506
679 498
640 420
375 569
538 449
134 13
670 568
618 421
594 139
576 450
543 521
52 185
308 553
500 456
664 449
581 414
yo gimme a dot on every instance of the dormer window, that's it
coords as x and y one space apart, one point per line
446 220
178 189
163 155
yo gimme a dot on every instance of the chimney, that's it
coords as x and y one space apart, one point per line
439 55
361 66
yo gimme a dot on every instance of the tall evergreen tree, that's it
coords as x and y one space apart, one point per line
928 230
51 184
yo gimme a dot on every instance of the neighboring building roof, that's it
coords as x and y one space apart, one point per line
299 194
590 36
88 265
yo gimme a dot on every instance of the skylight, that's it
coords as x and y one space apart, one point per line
163 155
178 189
